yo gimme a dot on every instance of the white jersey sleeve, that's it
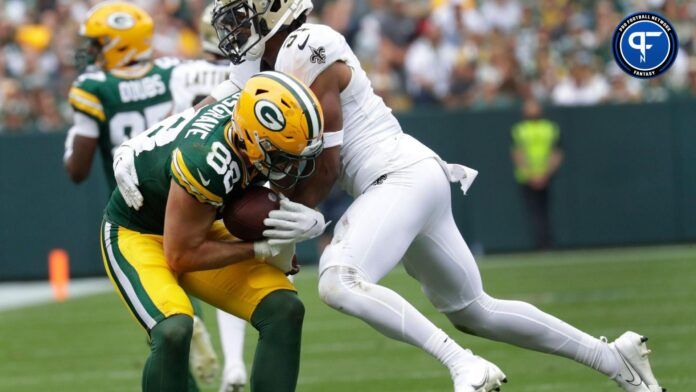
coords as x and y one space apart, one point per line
309 50
372 143
240 73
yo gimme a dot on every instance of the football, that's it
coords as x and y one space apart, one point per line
243 215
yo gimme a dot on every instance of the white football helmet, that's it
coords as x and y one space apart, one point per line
209 38
244 26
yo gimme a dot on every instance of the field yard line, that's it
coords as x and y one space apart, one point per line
14 295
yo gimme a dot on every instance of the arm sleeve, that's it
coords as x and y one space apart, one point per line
82 126
311 51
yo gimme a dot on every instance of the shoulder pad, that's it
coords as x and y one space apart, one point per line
309 50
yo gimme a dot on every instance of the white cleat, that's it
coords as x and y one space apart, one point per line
203 361
635 374
477 375
233 378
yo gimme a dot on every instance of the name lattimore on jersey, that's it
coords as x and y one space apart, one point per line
141 89
206 77
212 117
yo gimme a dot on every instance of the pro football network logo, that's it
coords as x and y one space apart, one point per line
645 45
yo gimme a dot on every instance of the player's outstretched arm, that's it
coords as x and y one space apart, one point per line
187 247
327 87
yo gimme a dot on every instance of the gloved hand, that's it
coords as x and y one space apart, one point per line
281 256
293 222
127 177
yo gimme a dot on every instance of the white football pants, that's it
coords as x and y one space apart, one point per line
409 216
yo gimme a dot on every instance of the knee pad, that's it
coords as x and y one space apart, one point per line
173 331
337 283
474 315
281 306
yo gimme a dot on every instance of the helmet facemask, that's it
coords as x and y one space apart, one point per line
241 30
285 170
87 53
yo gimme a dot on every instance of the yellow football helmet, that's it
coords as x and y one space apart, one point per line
279 124
117 33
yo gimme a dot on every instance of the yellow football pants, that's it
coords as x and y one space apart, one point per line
137 267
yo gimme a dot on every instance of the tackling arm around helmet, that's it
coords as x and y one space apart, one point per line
327 87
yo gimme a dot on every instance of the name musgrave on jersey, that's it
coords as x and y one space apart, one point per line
141 89
212 117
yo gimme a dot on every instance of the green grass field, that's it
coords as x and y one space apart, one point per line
92 344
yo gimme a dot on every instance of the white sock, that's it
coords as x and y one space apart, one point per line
446 350
232 338
598 355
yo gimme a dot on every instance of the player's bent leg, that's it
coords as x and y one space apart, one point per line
166 368
368 242
278 318
242 290
136 265
442 262
347 290
232 340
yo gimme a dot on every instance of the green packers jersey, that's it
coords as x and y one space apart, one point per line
123 104
195 150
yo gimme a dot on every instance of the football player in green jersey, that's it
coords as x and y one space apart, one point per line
189 165
122 93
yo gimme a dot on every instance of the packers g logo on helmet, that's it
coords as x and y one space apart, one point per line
269 115
279 124
120 21
117 34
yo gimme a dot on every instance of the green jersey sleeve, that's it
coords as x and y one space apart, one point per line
208 172
84 96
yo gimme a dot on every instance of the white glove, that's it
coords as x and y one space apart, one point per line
127 177
293 222
279 256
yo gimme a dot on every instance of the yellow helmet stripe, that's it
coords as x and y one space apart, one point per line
303 97
189 182
86 102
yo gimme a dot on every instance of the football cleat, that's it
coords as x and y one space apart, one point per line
203 361
477 375
233 378
635 374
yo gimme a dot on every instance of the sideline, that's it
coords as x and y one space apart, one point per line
15 295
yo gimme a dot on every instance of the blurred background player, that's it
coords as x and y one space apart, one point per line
192 81
537 157
121 93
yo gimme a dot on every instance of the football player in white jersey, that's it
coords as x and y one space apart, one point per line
402 211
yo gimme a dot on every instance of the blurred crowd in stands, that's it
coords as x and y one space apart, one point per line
475 54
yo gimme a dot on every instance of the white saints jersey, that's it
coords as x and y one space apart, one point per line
373 142
193 80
